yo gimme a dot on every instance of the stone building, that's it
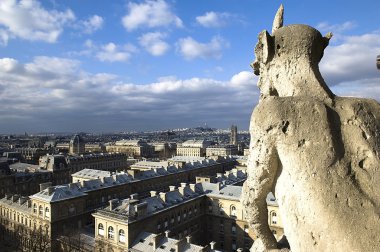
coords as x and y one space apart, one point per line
133 148
22 179
195 148
226 150
95 148
65 208
77 145
31 155
63 166
201 213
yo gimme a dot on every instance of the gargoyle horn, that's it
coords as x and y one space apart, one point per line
278 19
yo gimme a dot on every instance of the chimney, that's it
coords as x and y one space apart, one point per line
182 188
167 232
21 200
50 190
83 183
188 239
153 193
171 188
103 180
192 187
72 186
239 250
219 175
140 209
15 198
113 203
43 186
180 245
163 196
212 245
156 240
134 196
29 203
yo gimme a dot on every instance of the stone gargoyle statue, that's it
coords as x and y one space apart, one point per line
317 152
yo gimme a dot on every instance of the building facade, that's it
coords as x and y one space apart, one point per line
203 213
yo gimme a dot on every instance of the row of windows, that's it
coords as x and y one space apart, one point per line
41 210
233 211
111 233
186 213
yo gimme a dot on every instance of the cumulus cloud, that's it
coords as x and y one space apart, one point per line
27 19
213 19
150 13
154 44
112 52
50 100
92 24
352 60
191 49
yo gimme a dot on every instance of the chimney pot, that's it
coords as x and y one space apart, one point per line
153 193
212 245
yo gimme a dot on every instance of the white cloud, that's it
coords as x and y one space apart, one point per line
112 52
150 13
352 60
153 43
191 49
46 100
27 19
92 24
243 79
336 28
213 19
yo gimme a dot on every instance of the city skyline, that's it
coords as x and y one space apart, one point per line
150 65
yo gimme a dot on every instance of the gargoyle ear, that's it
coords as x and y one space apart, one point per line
326 38
264 49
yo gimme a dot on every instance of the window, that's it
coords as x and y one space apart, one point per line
221 226
179 217
101 229
166 222
172 220
233 245
233 228
158 225
110 233
233 211
34 208
121 235
47 212
72 209
274 217
210 207
40 210
221 209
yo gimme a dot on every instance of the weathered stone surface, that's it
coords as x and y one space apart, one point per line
318 153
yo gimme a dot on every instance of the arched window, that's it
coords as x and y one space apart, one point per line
121 235
47 212
110 233
101 229
40 210
233 211
34 208
274 217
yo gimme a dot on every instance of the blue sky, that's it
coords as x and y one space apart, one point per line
142 65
